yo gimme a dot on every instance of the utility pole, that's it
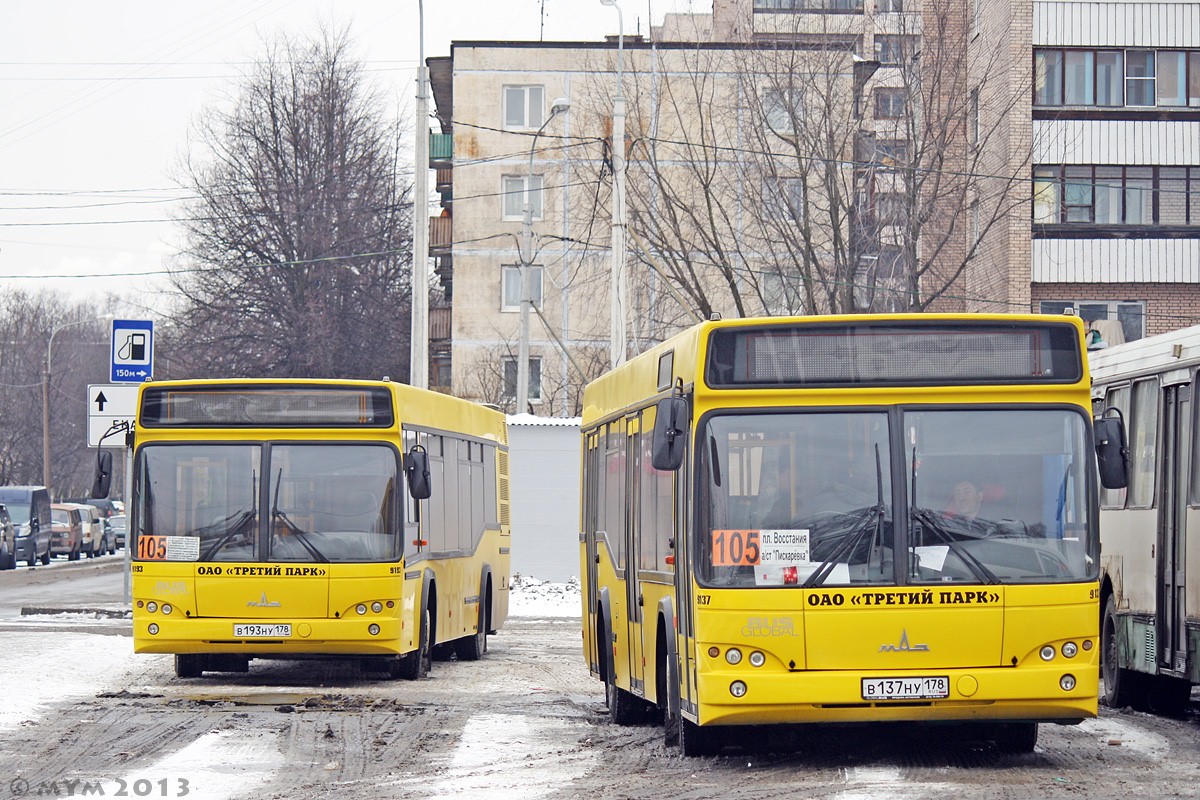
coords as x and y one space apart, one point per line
619 291
418 370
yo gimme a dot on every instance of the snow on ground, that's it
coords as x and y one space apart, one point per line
530 597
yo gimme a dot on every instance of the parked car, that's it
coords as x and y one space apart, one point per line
29 508
8 540
96 541
120 527
66 530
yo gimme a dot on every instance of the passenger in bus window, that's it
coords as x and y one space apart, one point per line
965 500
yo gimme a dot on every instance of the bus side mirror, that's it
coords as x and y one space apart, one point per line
416 471
1112 454
670 441
102 481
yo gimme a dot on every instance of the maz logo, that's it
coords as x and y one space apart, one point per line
903 647
264 603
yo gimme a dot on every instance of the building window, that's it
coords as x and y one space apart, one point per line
781 110
891 208
524 107
513 187
535 379
810 5
1085 194
510 287
1119 321
893 50
1116 78
890 103
784 198
889 7
890 154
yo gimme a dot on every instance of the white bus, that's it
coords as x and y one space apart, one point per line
1150 576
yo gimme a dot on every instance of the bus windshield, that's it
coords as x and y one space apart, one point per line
809 499
322 503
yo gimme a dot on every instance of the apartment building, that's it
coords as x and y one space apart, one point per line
807 156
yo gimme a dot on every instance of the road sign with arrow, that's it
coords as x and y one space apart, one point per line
111 409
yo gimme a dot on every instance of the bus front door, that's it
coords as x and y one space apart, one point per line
1172 573
633 585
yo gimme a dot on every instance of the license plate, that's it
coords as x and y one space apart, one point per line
929 688
259 631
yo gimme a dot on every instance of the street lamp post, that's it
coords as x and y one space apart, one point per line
46 395
618 292
561 105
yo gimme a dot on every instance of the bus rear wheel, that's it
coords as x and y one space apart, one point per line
623 706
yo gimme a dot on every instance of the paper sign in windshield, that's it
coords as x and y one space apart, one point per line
740 548
168 548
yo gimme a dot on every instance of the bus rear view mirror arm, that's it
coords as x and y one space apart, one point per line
670 427
1112 452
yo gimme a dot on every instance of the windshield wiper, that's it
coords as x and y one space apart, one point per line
236 522
870 522
936 523
300 534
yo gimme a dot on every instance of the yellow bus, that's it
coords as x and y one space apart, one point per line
846 519
316 518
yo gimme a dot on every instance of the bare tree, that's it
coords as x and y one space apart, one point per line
793 175
31 325
298 251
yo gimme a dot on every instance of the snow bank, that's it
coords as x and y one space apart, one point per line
530 597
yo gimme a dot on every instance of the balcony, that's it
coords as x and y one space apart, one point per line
441 234
441 149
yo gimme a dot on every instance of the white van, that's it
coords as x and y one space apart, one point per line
95 532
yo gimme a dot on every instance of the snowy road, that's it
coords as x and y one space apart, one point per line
81 714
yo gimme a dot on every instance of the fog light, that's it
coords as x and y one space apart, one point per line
361 609
1067 682
153 628
713 652
1047 653
377 606
757 659
737 689
733 656
373 629
166 608
1069 649
152 606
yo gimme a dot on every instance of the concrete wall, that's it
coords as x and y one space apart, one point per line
544 487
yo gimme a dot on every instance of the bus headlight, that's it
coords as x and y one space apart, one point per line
757 659
360 608
377 606
1067 682
737 689
166 608
152 606
153 628
1070 649
1047 653
733 656
373 629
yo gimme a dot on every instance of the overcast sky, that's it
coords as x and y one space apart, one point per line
96 100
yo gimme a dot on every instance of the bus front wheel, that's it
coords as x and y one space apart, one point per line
697 741
415 665
189 665
1122 687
